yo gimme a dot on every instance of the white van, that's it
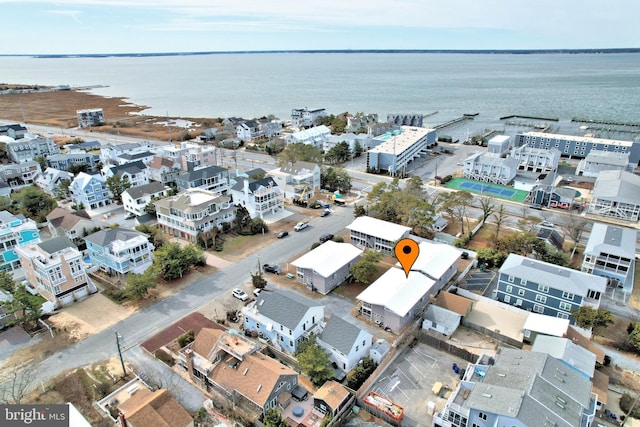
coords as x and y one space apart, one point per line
301 225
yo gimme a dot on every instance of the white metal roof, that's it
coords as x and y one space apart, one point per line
613 240
376 227
397 292
328 258
547 325
435 259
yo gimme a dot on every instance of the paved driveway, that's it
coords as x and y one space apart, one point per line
13 339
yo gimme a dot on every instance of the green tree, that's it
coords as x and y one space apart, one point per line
521 243
490 257
62 191
457 204
257 280
272 418
138 285
154 234
359 374
42 162
359 210
26 304
3 151
313 361
117 185
591 318
34 203
357 149
300 152
365 269
338 153
258 226
633 339
171 261
6 281
333 179
77 168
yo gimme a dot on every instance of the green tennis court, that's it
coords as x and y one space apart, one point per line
492 190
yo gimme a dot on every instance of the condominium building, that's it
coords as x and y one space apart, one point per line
27 149
376 234
394 151
598 161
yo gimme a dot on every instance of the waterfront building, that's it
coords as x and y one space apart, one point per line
90 117
539 160
578 146
315 136
303 117
120 251
394 151
299 180
598 161
15 231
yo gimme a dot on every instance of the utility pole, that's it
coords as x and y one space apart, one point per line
124 372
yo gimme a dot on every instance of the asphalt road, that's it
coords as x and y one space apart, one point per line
147 322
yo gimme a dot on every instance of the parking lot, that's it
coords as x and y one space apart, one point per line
410 379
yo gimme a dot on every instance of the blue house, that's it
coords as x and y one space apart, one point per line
118 251
283 318
547 288
90 191
64 161
15 230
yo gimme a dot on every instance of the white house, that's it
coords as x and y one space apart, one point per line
616 195
379 235
315 136
51 178
136 173
136 199
394 300
303 117
260 197
283 318
327 266
299 180
345 343
437 261
599 160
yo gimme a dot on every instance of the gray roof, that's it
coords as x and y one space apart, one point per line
105 237
56 244
284 307
254 185
532 386
6 217
139 155
442 316
297 167
556 277
617 185
132 168
340 334
207 172
141 190
608 158
551 236
613 240
572 354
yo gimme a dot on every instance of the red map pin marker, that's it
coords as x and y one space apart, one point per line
407 252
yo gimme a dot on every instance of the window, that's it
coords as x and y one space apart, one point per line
509 289
521 292
543 288
482 416
523 282
567 295
541 298
510 279
507 298
562 315
538 308
565 306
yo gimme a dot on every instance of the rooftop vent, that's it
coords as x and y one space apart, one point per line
259 387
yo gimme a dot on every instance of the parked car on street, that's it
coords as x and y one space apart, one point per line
326 237
325 213
282 234
301 225
272 268
240 294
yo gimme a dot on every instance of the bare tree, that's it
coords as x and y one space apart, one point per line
16 382
457 204
574 225
488 206
498 218
527 223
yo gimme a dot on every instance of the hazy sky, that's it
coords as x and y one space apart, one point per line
122 26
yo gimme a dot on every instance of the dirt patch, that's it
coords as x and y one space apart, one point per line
58 109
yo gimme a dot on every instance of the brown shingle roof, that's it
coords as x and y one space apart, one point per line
333 393
205 340
157 409
584 342
62 218
158 162
453 302
255 377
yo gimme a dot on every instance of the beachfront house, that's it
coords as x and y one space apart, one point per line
118 251
90 191
15 231
615 194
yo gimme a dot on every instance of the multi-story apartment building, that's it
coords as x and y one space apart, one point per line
210 178
578 146
376 234
196 156
15 231
136 199
64 161
615 194
90 191
55 268
27 149
393 151
521 388
546 288
611 252
537 160
20 174
120 251
194 211
303 117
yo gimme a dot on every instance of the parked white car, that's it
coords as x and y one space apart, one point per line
240 294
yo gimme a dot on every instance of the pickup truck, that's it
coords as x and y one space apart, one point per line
301 225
